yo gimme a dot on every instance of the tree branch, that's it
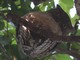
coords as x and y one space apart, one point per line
65 38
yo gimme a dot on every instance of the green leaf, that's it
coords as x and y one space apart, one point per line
42 6
17 2
2 25
76 46
73 20
62 57
14 41
4 3
25 6
46 5
1 1
4 40
66 4
78 32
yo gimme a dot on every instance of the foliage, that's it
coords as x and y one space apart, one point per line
21 7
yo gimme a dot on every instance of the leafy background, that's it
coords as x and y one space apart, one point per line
8 45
